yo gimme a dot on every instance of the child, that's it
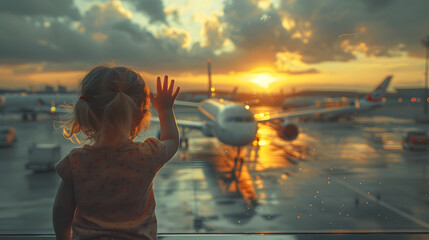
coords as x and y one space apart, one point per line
106 188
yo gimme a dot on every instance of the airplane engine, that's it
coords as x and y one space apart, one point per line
287 131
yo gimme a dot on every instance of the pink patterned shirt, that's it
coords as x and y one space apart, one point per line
113 189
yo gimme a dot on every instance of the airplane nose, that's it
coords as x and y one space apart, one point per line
239 133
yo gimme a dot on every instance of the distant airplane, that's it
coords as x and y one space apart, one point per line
372 101
316 101
202 95
34 104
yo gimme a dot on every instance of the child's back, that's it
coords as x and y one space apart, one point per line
111 187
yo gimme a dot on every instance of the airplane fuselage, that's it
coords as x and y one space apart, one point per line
231 123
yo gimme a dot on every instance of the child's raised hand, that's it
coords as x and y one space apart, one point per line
164 99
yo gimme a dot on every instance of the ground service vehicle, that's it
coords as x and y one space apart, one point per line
416 140
42 156
7 136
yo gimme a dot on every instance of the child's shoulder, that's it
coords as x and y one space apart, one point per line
152 146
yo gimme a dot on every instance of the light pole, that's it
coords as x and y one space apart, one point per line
425 42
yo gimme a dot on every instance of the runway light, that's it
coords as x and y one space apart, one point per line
427 99
246 107
383 99
413 99
221 100
401 100
53 109
212 89
418 99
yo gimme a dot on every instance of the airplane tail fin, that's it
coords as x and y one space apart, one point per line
378 93
233 94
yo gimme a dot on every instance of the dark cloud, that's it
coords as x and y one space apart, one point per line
316 31
152 8
307 71
383 26
257 35
377 5
105 34
52 8
27 41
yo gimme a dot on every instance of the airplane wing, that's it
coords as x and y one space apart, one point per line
186 104
184 123
305 113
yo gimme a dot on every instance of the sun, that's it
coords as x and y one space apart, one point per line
263 80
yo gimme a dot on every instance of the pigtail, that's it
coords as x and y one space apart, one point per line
82 119
119 113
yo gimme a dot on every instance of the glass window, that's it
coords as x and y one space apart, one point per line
330 133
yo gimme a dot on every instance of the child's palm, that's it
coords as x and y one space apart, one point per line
165 97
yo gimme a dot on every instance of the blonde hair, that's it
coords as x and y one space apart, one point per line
112 99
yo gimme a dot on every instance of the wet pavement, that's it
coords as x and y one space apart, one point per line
337 176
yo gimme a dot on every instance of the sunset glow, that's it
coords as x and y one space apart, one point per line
263 80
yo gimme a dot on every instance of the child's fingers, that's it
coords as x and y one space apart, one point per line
158 85
175 93
165 88
170 90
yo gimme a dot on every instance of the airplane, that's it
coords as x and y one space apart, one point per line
321 102
235 125
315 101
33 104
372 101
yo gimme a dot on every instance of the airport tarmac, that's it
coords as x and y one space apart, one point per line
336 176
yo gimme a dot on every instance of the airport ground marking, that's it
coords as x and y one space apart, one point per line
383 203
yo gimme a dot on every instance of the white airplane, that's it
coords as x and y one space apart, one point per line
33 104
235 125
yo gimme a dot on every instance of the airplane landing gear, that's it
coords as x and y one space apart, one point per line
238 164
184 143
183 140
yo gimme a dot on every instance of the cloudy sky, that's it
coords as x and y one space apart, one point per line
253 44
